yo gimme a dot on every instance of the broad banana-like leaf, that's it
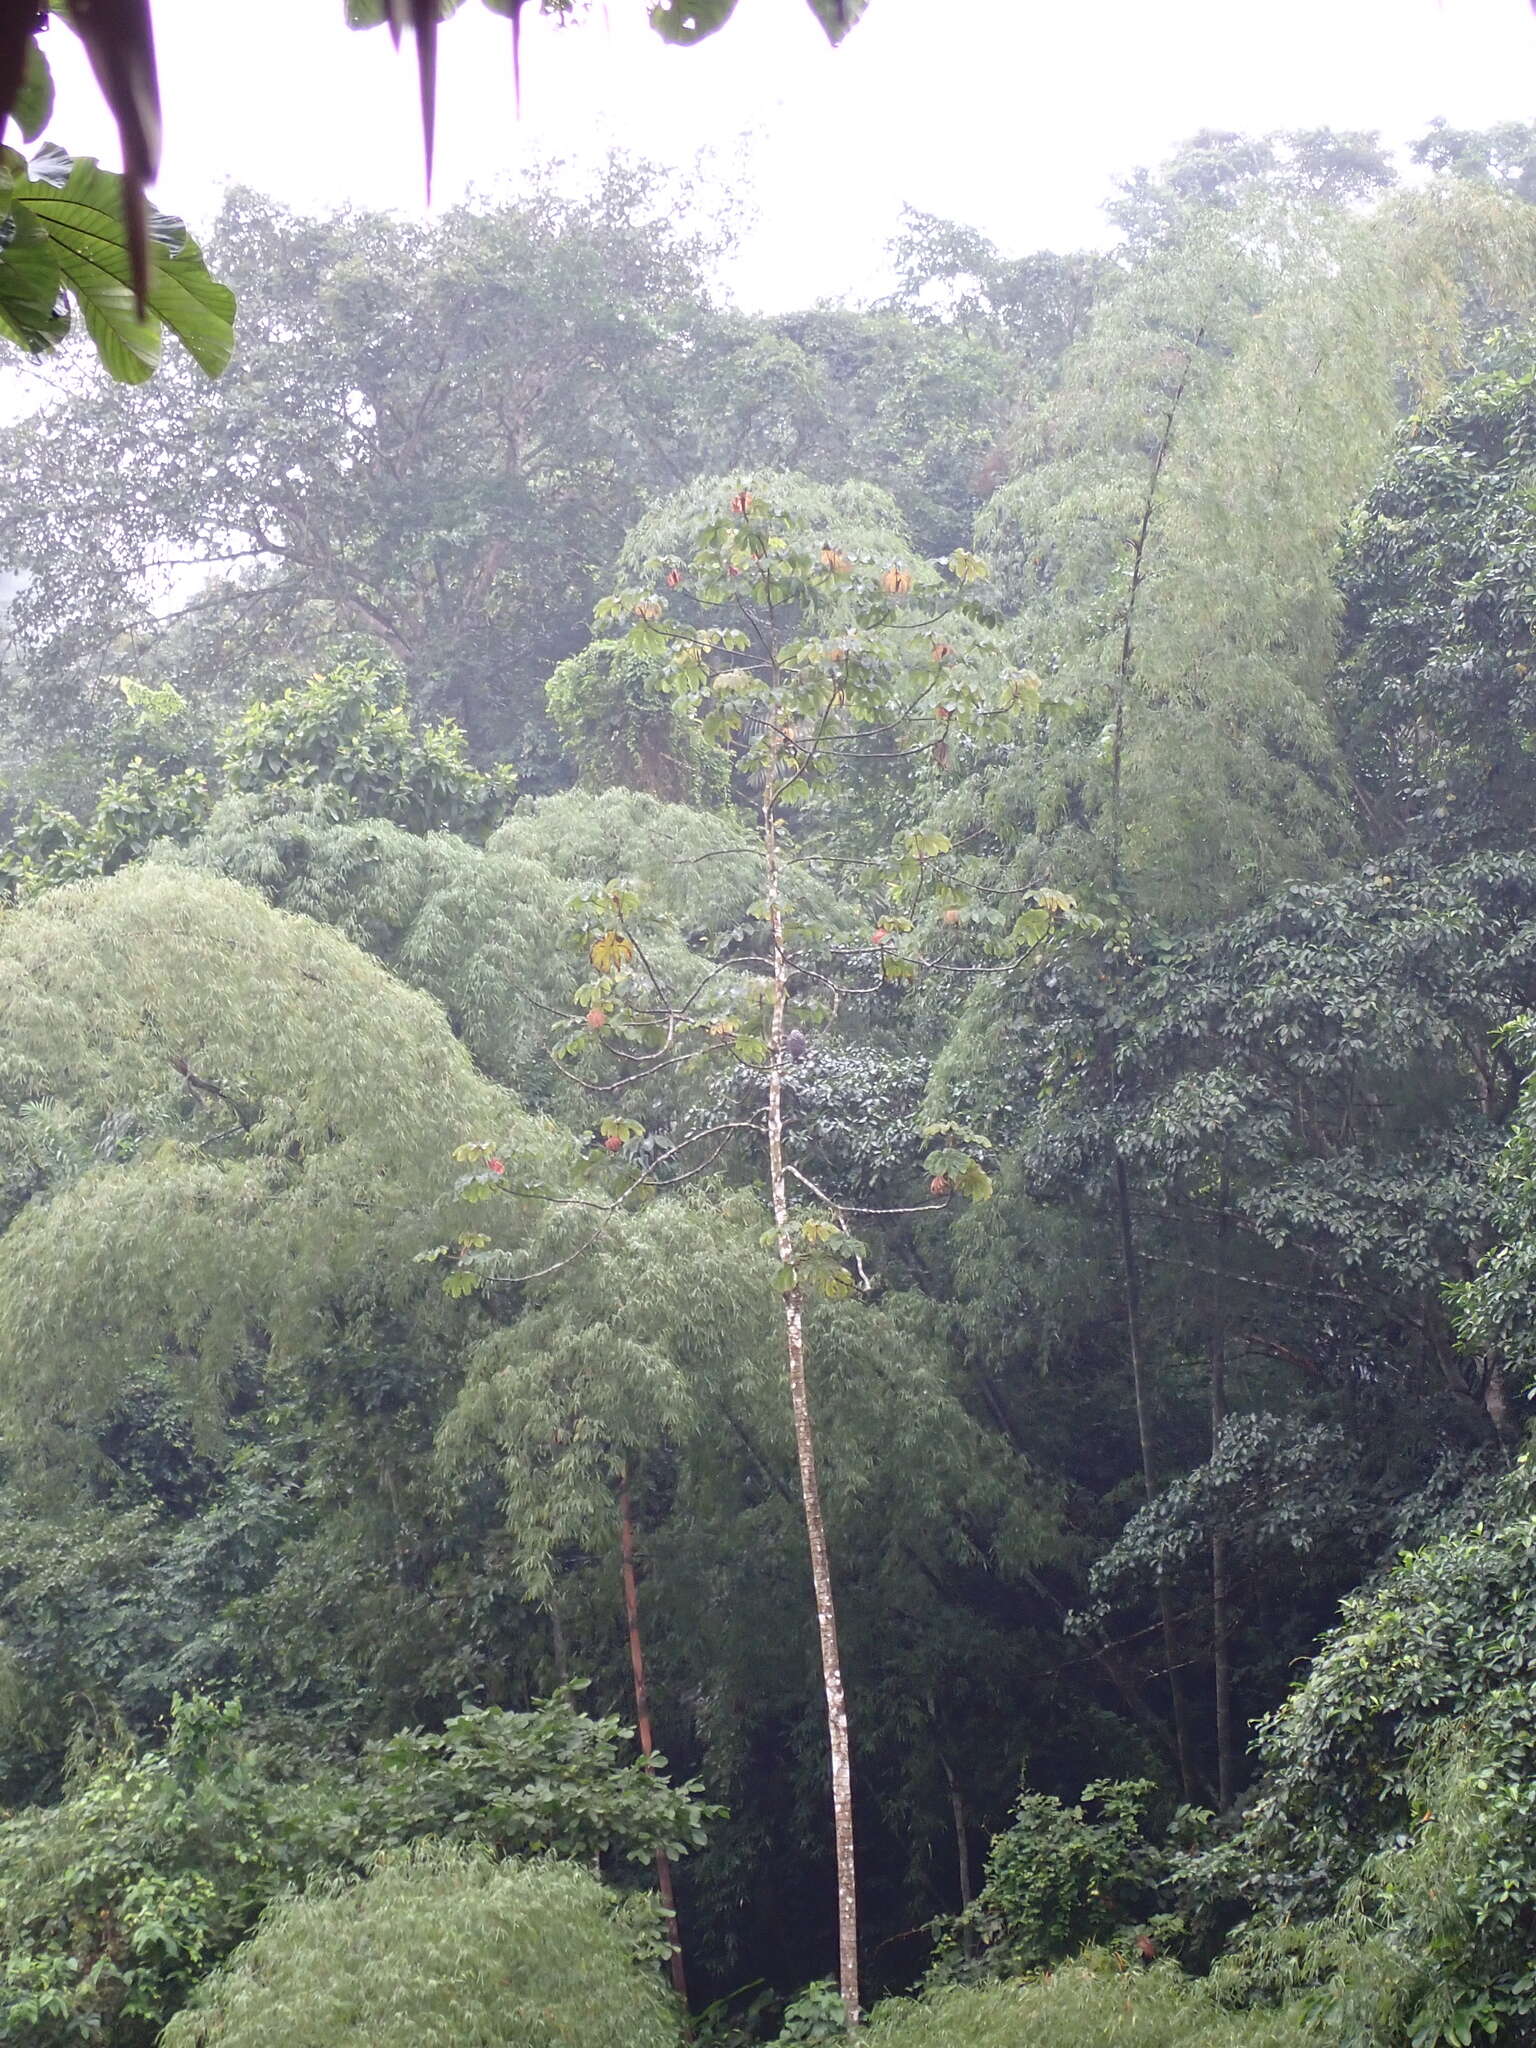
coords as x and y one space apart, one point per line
33 101
66 230
32 312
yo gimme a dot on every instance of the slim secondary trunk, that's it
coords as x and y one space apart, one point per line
1221 1546
962 1840
805 1447
1124 671
643 1718
1132 1276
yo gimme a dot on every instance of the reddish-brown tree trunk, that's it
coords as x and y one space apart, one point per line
643 1718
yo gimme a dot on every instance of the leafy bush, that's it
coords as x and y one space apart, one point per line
816 2015
343 744
1060 1877
116 1901
1430 1944
1390 1853
441 1949
349 732
146 802
522 1783
1089 2004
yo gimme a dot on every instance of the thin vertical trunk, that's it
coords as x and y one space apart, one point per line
962 1838
1221 1559
1127 661
805 1447
1132 1277
643 1718
1124 670
557 1645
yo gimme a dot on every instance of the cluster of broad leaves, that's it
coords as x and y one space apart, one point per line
1138 649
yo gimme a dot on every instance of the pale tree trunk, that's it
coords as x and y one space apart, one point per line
805 1446
1132 1276
643 1719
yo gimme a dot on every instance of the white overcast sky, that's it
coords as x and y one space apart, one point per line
1013 115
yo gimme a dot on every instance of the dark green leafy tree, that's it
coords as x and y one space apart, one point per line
438 477
1389 1850
1440 632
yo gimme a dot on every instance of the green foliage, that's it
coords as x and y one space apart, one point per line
521 1784
233 1180
1493 1307
434 1950
1440 670
66 238
1426 1942
618 727
1391 1849
1445 1627
135 810
341 746
1052 930
349 734
440 472
1097 2004
1061 1878
815 2015
1273 1491
116 1901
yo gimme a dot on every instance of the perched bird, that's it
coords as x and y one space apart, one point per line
796 1046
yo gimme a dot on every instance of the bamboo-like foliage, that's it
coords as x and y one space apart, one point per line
1170 538
223 1128
434 1950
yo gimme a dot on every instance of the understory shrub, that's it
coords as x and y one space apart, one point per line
117 1900
1060 1878
443 1948
1086 2005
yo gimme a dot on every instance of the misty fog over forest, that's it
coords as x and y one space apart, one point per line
767 1013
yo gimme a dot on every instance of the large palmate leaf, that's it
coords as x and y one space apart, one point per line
64 233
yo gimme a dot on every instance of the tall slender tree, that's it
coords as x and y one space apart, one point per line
810 664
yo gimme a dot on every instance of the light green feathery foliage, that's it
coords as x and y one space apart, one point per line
437 1950
1097 2004
1171 535
660 1336
248 1121
488 932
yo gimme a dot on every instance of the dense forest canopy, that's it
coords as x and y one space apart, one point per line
807 1035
